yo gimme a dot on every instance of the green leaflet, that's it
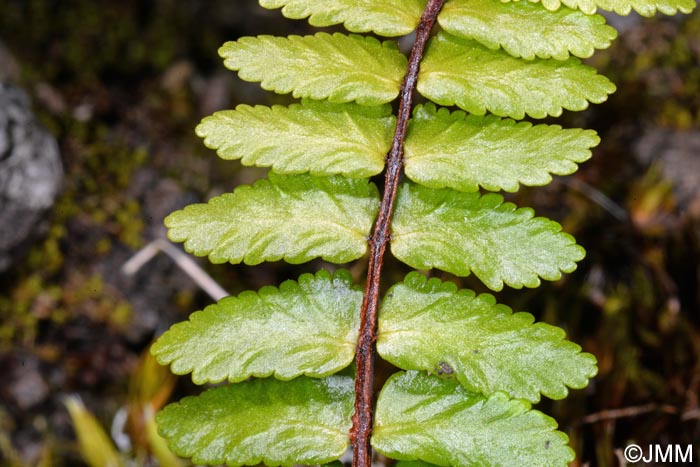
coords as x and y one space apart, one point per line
430 325
421 417
309 328
462 72
290 217
624 7
464 152
303 421
314 136
527 30
383 17
413 464
465 232
339 68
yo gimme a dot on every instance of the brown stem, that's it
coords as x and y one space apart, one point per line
364 379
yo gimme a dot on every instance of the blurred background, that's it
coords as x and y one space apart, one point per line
121 85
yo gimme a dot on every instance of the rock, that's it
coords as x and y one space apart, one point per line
30 174
678 152
26 385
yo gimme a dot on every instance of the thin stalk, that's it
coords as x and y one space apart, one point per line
364 379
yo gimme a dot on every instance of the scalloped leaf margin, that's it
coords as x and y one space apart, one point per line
338 67
464 73
315 136
291 217
302 421
430 325
465 232
383 17
463 152
307 328
422 417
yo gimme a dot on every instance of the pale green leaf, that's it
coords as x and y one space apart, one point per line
383 17
464 152
462 72
466 232
302 421
624 7
314 136
526 30
338 67
413 464
291 217
309 328
421 417
432 326
157 444
95 445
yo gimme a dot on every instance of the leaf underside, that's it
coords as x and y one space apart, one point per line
291 217
308 328
421 417
302 421
383 17
430 325
338 67
624 7
466 232
314 136
524 29
462 72
464 152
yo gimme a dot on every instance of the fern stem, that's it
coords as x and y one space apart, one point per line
364 380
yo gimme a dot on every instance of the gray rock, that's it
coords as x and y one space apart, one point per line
678 152
30 174
28 388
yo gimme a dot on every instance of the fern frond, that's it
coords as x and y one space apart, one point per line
314 136
303 421
430 325
623 7
338 67
464 152
462 72
291 217
524 29
466 232
308 328
421 417
383 17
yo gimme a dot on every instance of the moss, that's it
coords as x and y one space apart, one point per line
95 197
661 58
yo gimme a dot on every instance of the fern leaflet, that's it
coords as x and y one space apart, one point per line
431 326
314 136
362 69
280 218
526 30
307 327
265 420
383 17
461 72
421 417
466 152
466 232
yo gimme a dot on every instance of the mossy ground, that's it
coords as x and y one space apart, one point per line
122 85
